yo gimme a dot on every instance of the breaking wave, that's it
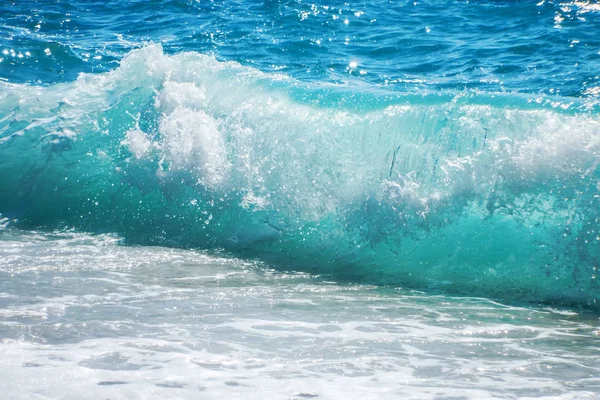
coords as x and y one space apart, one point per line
495 195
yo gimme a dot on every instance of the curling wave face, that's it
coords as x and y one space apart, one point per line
494 195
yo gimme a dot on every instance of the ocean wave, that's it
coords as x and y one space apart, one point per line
486 194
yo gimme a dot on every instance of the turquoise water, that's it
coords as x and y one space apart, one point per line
452 147
443 155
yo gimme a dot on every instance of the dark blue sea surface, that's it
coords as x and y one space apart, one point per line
545 47
442 145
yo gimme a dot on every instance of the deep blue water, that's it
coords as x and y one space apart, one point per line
545 47
443 145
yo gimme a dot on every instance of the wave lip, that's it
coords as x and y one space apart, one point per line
489 195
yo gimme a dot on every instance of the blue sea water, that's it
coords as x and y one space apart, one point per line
308 199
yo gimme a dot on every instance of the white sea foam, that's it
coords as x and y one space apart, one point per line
191 141
102 320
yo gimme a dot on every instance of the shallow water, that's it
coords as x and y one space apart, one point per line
82 316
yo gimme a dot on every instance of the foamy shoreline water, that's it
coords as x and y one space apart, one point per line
82 316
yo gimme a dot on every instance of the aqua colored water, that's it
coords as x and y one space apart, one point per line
384 199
